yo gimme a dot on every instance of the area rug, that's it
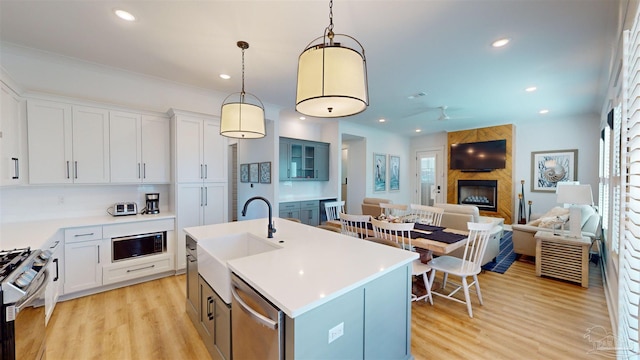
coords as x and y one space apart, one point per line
505 258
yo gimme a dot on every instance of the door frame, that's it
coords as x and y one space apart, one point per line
441 178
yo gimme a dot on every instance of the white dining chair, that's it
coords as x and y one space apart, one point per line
397 210
354 225
395 234
467 266
398 232
424 214
333 208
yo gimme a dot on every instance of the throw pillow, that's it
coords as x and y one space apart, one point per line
550 217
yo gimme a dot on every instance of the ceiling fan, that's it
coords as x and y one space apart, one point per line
443 114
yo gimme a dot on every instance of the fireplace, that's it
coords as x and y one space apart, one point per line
481 193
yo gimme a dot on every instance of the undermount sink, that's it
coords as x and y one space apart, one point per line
214 253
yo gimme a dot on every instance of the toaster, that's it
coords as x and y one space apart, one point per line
125 208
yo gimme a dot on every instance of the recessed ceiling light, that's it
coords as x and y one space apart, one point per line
418 130
225 76
500 42
302 118
382 120
531 89
543 111
124 15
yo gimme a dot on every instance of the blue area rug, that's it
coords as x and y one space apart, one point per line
505 258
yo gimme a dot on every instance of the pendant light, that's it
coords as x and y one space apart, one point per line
332 78
242 114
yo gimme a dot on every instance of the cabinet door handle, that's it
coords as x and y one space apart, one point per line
144 170
206 196
75 168
57 269
142 268
85 234
191 258
16 168
201 172
68 175
139 171
201 196
98 254
209 311
206 172
316 174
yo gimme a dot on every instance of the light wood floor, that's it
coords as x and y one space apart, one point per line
523 317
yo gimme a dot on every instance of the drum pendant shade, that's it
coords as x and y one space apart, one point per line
242 114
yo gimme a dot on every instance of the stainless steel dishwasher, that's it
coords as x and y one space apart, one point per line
256 324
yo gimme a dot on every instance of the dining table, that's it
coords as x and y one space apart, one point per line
430 239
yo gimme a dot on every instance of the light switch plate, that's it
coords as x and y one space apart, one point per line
336 332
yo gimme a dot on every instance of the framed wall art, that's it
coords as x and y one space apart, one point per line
379 172
550 167
253 173
394 172
265 172
244 173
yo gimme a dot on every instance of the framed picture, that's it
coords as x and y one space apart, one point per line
379 172
244 173
394 172
253 173
265 172
550 167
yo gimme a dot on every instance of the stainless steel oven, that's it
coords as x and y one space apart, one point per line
23 279
134 246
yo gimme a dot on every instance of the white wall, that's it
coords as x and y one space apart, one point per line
581 133
382 142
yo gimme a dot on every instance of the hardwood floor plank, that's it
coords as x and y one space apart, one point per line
523 317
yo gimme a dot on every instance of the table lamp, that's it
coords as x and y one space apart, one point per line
574 195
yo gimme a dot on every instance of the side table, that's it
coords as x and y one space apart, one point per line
562 257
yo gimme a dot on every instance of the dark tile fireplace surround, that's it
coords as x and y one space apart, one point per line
481 193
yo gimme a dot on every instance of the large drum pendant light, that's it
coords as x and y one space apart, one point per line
242 114
332 78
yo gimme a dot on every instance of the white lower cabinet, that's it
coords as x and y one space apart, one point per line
56 274
132 269
89 258
83 266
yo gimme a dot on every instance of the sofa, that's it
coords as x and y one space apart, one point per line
371 206
524 242
456 216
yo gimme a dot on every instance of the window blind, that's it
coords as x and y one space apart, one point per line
629 274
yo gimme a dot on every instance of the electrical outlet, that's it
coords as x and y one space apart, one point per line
336 332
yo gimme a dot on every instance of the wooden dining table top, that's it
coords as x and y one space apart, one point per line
422 240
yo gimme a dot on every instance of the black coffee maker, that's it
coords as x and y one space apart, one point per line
153 203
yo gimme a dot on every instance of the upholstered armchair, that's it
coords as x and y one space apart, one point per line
524 242
371 206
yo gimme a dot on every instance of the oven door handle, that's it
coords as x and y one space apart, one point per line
24 303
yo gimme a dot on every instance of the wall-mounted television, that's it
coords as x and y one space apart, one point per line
478 156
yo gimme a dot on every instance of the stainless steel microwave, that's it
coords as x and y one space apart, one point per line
135 246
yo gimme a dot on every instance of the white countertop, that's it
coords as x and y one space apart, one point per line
313 266
36 233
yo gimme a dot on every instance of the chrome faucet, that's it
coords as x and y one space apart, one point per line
270 229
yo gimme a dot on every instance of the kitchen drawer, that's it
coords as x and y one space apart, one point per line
82 234
288 206
132 269
137 227
313 204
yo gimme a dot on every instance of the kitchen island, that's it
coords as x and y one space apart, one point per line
324 281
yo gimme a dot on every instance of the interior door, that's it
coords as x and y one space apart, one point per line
430 177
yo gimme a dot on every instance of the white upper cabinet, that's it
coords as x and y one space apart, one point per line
139 146
12 160
67 144
201 152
